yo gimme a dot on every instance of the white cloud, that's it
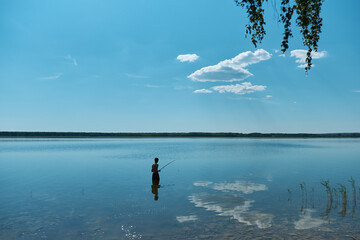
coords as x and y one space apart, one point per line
278 51
202 91
187 57
71 59
307 222
268 96
357 91
56 76
182 219
243 88
304 65
230 70
300 55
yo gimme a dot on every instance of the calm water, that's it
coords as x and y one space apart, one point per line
215 189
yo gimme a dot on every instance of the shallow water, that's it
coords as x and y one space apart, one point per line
215 189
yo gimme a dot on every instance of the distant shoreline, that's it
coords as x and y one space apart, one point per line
16 134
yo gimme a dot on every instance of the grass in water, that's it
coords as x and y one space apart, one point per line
352 181
342 190
303 196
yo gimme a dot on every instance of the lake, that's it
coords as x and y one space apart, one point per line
215 188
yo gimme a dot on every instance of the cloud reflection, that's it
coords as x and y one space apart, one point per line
306 221
202 183
232 204
239 186
182 219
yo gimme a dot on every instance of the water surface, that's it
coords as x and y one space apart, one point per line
215 189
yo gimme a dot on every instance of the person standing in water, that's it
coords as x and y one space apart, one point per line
155 171
155 179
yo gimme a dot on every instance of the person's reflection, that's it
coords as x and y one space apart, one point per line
154 189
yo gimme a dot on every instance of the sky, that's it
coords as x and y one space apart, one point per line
172 66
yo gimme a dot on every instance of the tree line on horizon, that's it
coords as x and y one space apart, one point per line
18 134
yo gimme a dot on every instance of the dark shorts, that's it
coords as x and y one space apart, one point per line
156 177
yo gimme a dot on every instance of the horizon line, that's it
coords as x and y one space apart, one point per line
49 134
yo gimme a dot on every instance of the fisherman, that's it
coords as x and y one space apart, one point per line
155 171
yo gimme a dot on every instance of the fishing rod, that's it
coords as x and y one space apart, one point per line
167 164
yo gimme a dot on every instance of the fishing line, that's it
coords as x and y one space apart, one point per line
167 164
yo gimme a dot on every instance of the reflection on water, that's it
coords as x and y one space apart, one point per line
335 197
306 221
154 189
99 189
182 219
232 204
238 186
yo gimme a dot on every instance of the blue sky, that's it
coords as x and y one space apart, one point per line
171 66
